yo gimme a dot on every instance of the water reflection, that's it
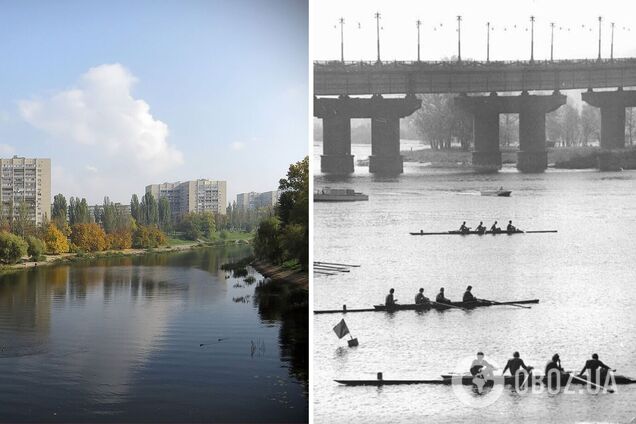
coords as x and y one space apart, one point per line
109 338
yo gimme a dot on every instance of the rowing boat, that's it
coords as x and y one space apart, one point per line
469 380
425 306
441 306
497 193
480 233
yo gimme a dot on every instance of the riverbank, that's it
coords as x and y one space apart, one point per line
558 157
179 246
278 273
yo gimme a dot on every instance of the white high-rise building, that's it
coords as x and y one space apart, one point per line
26 181
192 196
254 200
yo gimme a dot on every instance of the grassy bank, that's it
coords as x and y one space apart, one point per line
283 273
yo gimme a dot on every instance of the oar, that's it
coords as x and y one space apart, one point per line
446 304
593 384
504 304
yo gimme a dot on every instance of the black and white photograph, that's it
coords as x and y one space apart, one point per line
474 212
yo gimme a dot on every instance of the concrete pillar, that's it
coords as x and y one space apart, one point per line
385 132
485 111
336 135
612 104
532 155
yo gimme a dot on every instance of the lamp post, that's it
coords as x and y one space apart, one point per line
488 42
600 19
612 45
341 40
418 23
531 38
551 41
459 38
377 20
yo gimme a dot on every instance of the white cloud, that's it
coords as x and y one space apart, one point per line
237 145
91 168
6 150
100 114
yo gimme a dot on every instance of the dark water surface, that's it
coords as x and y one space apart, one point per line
120 339
584 275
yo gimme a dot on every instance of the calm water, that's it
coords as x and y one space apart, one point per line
584 276
118 340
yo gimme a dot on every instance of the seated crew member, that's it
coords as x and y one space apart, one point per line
468 296
511 228
464 228
481 368
420 299
554 372
597 369
515 364
440 298
390 301
480 228
494 228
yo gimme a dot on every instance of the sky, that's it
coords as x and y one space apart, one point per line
122 94
575 30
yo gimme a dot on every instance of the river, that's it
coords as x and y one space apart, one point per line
583 275
153 338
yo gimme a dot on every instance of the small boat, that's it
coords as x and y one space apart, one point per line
469 380
498 193
479 233
339 195
442 307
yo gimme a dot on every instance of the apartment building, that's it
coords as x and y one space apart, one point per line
253 200
26 181
192 196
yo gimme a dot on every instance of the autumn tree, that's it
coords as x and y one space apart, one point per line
56 242
89 237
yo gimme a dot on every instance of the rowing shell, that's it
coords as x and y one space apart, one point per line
481 233
440 306
468 380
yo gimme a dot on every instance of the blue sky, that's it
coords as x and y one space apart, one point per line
121 94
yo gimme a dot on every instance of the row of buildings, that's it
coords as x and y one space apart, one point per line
26 182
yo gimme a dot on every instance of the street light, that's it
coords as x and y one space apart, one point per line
418 23
531 38
459 38
552 42
488 42
612 48
600 19
377 20
341 40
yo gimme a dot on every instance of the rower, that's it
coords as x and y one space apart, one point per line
515 364
468 296
494 228
511 228
554 364
554 374
464 229
480 228
390 301
420 299
598 370
440 298
481 368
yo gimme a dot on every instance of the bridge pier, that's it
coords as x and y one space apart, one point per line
532 155
336 135
612 105
385 132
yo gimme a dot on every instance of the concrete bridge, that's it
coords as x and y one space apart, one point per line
344 79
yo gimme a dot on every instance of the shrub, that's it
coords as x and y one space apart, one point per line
148 236
89 237
121 239
36 248
12 247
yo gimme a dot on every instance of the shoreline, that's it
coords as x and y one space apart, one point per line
67 258
278 273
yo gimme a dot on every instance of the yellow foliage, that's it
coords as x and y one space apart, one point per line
120 240
89 237
56 242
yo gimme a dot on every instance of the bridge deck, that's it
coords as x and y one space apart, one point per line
363 78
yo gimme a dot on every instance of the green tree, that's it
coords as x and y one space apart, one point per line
165 215
148 210
12 247
36 248
134 207
59 211
23 224
293 204
267 242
